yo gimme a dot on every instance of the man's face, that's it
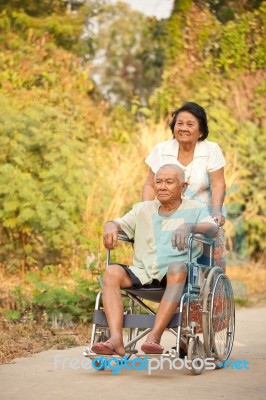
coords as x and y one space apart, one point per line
167 185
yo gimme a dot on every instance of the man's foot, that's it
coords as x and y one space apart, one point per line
152 348
107 348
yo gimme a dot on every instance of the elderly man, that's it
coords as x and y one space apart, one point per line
160 229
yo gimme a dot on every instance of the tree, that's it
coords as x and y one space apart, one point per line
48 120
127 54
34 7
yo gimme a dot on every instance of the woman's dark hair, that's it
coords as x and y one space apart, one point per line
198 112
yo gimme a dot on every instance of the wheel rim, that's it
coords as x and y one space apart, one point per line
222 318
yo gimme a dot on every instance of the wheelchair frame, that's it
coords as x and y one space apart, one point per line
207 286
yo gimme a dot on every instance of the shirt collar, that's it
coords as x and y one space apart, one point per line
172 146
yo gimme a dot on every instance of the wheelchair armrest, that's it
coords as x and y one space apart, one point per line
198 237
124 238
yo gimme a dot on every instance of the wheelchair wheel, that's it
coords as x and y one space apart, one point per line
214 273
196 354
222 318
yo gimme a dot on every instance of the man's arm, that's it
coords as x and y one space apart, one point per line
180 236
110 234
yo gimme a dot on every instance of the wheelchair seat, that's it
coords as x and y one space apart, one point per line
151 294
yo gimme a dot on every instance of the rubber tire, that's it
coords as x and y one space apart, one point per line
206 309
196 350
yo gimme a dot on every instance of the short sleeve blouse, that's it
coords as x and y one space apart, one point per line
208 157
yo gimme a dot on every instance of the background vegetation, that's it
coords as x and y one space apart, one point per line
86 89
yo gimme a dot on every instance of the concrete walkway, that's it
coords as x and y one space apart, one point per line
49 376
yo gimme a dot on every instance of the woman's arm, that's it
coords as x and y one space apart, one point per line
218 186
148 191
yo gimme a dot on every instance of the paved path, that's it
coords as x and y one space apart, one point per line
36 378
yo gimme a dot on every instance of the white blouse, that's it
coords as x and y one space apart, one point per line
208 157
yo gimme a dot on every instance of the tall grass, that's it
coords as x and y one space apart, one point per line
120 172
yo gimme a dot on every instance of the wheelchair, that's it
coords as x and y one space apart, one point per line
204 321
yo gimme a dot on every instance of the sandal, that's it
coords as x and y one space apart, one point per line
152 348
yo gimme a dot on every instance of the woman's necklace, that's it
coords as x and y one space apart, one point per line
182 158
188 173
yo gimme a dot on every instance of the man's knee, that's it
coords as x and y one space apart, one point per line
113 273
177 273
177 268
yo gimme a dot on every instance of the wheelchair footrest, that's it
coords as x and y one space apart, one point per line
135 320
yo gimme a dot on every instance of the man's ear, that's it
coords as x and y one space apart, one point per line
184 186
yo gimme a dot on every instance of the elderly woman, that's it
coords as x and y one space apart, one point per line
201 160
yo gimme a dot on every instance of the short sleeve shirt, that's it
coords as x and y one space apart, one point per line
208 157
152 233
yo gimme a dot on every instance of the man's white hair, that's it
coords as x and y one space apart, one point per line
179 171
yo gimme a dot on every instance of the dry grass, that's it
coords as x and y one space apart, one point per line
253 276
119 179
29 336
23 340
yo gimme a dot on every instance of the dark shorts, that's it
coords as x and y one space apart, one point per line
136 284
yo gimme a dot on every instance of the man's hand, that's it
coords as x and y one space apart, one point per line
180 236
110 235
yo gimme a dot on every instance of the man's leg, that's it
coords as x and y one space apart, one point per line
114 279
176 279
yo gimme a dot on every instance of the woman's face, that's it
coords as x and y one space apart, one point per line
186 128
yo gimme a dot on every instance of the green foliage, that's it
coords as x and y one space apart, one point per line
44 138
226 10
64 148
242 44
242 302
12 315
174 36
35 7
70 305
182 6
45 163
76 306
64 29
